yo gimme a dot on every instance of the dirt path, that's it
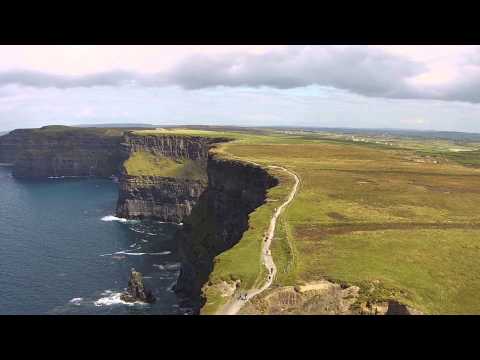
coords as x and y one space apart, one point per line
234 305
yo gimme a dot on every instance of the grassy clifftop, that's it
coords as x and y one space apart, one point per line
53 131
378 217
401 222
143 163
188 133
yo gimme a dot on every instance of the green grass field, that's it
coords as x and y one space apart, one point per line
143 163
369 214
400 215
188 132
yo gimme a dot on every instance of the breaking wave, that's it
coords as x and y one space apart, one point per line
121 220
76 301
114 218
113 298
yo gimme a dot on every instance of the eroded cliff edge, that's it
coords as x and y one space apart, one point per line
235 189
54 151
214 209
213 196
166 177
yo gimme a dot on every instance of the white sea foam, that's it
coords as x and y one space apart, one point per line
127 252
114 218
76 301
113 298
169 222
66 177
171 287
116 253
172 266
162 253
121 220
137 231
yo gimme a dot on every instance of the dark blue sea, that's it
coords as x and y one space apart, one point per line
62 251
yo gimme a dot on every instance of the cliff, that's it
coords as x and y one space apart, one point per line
166 177
9 147
176 178
171 146
154 197
163 177
217 223
62 151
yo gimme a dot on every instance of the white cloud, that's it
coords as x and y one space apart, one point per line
398 72
352 86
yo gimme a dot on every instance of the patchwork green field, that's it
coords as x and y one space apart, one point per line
371 216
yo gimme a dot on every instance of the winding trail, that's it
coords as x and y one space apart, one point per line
234 305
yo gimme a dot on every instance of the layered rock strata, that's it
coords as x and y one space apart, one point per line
167 199
218 221
42 153
159 198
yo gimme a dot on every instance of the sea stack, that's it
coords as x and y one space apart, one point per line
136 291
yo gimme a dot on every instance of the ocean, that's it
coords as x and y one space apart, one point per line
63 252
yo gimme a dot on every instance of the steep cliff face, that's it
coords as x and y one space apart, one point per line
154 197
9 146
62 151
235 189
164 198
171 146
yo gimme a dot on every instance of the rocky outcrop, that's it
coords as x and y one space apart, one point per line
136 290
321 298
62 151
235 189
153 197
161 198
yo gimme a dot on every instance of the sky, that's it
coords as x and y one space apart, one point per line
429 87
